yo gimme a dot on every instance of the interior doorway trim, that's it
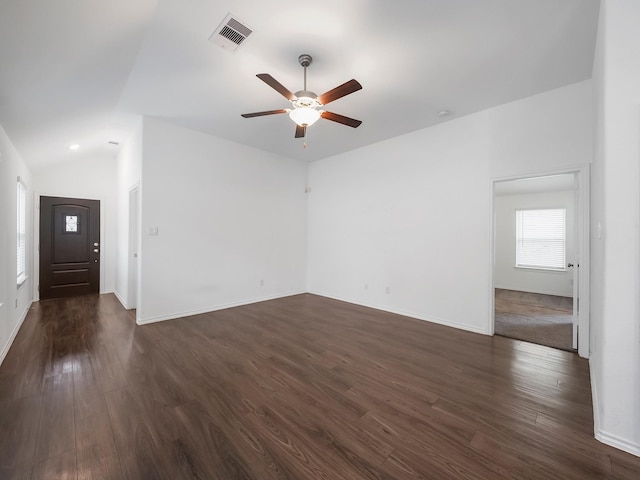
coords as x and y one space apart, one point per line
583 242
133 265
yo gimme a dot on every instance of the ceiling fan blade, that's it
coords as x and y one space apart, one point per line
340 91
261 114
276 85
300 131
334 117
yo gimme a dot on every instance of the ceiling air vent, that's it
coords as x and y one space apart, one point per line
230 33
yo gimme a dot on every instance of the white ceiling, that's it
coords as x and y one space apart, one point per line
82 71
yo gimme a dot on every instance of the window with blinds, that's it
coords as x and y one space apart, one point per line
541 239
22 232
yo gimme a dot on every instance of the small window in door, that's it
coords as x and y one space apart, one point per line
70 223
541 239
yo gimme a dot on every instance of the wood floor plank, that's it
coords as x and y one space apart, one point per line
425 417
444 453
537 456
56 432
203 437
19 422
624 467
98 461
139 442
329 424
108 366
60 467
312 459
31 377
97 456
301 387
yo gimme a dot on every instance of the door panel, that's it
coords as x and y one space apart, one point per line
576 260
69 247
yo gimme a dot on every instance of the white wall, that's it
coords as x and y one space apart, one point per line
92 178
615 285
597 214
414 213
506 275
228 218
128 176
15 301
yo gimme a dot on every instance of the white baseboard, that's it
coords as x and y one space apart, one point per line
619 443
406 313
213 308
14 333
602 436
121 300
594 399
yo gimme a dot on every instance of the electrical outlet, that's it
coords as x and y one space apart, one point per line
262 283
387 290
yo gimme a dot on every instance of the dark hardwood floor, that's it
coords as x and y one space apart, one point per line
300 388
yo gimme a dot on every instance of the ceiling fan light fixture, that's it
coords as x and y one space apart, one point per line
304 116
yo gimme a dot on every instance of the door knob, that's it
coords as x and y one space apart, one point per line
569 265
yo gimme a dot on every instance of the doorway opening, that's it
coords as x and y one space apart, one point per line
540 287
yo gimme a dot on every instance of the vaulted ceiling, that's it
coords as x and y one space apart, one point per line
83 71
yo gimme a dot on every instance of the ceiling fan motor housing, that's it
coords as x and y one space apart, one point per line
305 59
305 98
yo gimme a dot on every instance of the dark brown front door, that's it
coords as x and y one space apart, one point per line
69 247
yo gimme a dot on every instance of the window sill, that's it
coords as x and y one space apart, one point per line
21 280
542 269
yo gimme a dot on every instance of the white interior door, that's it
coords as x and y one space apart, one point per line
575 265
581 269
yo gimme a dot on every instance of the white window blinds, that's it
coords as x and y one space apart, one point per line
22 231
541 238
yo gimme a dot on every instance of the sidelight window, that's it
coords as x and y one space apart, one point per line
541 239
22 231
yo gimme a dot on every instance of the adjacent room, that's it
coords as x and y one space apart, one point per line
364 239
537 231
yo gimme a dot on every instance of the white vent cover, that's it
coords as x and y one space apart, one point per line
230 34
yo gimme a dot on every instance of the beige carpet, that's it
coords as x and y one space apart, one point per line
541 319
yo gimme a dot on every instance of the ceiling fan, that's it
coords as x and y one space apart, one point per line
305 103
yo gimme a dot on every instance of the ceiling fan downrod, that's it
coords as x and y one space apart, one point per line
305 60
